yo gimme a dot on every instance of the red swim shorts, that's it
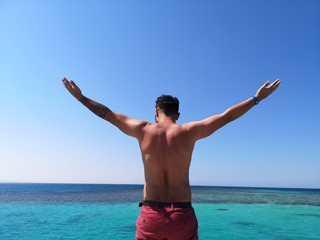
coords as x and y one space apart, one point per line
167 223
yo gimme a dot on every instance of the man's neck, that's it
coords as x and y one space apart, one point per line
166 120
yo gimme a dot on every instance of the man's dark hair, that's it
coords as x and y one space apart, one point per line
168 104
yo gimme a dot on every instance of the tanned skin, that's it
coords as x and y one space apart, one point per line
166 147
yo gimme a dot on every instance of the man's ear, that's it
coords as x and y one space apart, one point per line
178 115
156 117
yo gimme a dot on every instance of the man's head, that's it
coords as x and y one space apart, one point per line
169 105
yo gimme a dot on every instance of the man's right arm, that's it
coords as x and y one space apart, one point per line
95 107
206 127
129 126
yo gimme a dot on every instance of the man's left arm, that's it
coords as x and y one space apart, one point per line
209 125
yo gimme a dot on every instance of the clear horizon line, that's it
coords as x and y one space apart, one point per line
192 185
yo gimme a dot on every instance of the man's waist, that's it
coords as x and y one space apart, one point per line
157 204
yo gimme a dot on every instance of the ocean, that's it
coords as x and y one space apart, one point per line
104 211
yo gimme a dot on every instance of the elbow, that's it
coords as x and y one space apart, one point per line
229 116
226 118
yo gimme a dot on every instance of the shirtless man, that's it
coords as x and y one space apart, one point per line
166 149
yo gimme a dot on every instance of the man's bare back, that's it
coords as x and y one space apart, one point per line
166 150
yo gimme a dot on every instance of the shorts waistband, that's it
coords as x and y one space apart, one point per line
165 204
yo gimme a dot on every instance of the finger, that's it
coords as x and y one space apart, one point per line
271 86
266 84
66 83
64 79
275 84
73 84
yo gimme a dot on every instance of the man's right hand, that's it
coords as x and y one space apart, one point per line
72 88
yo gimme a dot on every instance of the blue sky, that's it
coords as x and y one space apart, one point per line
124 54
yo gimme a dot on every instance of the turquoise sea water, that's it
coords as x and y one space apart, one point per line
75 211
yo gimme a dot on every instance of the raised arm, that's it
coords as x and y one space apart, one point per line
129 126
206 127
